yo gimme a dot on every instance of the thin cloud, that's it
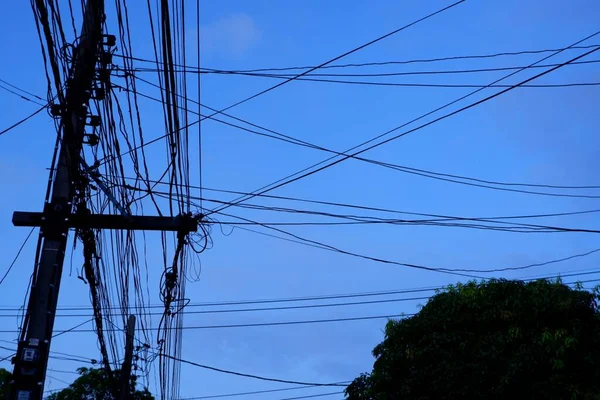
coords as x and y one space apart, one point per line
233 35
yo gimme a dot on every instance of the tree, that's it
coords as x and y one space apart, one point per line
95 384
4 382
493 340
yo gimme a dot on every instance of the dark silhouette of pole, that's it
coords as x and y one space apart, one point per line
88 69
31 360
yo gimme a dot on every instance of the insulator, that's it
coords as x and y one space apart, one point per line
99 93
91 139
56 110
94 121
110 40
105 58
104 75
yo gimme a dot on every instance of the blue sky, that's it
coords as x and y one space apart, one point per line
537 135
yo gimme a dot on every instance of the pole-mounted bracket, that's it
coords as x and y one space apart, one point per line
54 221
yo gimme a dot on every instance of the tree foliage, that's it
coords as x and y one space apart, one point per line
95 384
493 340
4 382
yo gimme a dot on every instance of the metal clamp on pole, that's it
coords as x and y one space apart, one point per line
55 219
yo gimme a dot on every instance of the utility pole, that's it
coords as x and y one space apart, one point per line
126 368
32 355
31 360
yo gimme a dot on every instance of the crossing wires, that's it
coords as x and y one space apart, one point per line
350 153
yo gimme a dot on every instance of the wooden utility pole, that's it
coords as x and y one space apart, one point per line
126 368
31 360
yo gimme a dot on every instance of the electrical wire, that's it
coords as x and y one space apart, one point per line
440 221
484 183
354 50
219 396
312 396
584 272
277 323
21 121
262 309
63 372
194 70
439 217
446 85
400 62
258 377
323 78
56 379
20 95
74 328
12 264
332 161
451 271
297 307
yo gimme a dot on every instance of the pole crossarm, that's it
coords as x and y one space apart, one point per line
181 223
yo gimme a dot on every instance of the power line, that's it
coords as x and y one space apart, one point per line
431 60
260 309
383 63
20 95
16 124
219 396
12 264
328 297
518 228
324 78
356 49
356 220
270 324
73 328
254 325
309 171
443 270
250 325
63 372
444 85
55 390
387 210
241 374
357 255
361 220
401 168
425 173
312 396
59 355
405 169
536 264
274 323
410 265
22 90
202 71
515 227
262 378
301 74
59 380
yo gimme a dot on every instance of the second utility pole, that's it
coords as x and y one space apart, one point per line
126 368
